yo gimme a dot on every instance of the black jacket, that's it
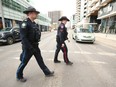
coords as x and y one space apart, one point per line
62 33
30 33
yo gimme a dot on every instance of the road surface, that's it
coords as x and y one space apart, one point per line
94 65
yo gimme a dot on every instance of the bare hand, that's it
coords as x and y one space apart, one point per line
62 45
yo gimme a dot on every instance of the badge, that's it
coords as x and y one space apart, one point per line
62 26
23 25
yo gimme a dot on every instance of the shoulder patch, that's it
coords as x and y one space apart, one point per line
23 25
61 26
25 20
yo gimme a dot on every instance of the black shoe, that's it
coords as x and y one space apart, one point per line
22 79
69 63
50 74
57 61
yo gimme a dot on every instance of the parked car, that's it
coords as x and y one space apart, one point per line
83 35
9 35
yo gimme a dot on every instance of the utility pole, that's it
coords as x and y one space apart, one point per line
2 14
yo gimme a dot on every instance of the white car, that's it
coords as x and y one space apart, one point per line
83 35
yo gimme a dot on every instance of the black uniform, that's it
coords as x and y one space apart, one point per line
30 35
60 38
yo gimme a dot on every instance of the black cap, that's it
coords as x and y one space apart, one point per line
63 18
30 9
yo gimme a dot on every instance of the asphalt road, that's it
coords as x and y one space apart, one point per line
94 65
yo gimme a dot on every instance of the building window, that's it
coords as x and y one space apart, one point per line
13 5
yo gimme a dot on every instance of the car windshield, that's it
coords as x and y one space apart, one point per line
6 29
82 30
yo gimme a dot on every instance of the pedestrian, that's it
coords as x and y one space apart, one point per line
30 36
61 37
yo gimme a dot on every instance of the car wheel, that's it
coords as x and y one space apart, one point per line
92 42
10 40
0 43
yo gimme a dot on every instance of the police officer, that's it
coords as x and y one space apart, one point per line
60 38
30 35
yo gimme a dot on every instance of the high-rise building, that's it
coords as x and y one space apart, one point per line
78 10
54 15
84 8
81 8
73 21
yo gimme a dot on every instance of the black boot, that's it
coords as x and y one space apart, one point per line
69 63
57 61
51 73
48 73
22 79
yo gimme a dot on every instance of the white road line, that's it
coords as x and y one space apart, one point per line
82 52
16 58
74 52
106 53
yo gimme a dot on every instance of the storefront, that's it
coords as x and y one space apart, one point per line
107 15
8 23
93 19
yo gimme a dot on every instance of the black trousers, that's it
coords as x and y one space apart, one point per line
26 56
64 50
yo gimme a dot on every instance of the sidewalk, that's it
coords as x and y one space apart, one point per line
108 39
106 36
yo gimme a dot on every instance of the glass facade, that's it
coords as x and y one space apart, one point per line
108 18
13 5
108 25
17 7
13 14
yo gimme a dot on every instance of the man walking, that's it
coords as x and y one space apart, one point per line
60 38
30 35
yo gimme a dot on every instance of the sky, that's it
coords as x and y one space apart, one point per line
68 7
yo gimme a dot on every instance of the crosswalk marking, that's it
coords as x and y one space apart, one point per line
77 52
82 52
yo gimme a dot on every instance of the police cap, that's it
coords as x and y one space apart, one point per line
30 9
63 18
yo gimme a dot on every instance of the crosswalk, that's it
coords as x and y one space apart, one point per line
82 52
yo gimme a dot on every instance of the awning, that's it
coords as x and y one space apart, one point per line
108 15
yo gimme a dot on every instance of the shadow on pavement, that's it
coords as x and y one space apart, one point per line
5 44
86 43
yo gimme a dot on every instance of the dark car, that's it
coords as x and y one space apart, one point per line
9 35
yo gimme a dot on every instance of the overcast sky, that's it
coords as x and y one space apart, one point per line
67 6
